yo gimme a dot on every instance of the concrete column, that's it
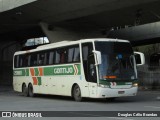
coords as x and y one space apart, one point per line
56 34
138 33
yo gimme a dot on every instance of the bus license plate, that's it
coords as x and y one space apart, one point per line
120 92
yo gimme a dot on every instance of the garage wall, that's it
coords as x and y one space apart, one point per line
7 50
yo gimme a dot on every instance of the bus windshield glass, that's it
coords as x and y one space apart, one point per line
118 62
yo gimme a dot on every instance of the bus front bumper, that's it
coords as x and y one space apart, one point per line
110 93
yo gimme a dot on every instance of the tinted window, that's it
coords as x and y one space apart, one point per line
70 54
46 58
87 49
73 54
33 59
16 61
57 57
114 47
41 58
51 57
25 60
76 55
63 55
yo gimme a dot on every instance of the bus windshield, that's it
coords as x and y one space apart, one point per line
118 62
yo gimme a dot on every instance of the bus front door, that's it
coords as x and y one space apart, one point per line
92 76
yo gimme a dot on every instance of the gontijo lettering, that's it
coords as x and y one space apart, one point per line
63 70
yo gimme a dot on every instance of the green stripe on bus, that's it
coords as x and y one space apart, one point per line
53 70
27 72
79 69
48 71
36 71
19 72
39 81
62 70
104 82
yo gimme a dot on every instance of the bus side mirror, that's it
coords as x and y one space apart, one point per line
97 57
139 57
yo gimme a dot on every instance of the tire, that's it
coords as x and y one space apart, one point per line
25 90
77 93
30 91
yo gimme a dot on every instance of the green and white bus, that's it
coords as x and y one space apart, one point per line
88 68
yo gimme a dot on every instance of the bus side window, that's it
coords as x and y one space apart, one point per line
57 57
46 58
16 61
41 58
21 61
51 57
76 55
33 60
25 60
61 56
70 55
73 54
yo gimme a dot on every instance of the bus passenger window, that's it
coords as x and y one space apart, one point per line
85 52
70 55
76 55
57 58
46 58
51 58
33 60
21 61
62 57
41 58
16 61
73 54
25 60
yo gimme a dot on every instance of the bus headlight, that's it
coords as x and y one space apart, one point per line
135 85
103 86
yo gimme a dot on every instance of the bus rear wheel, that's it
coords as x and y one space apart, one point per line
24 90
30 90
77 93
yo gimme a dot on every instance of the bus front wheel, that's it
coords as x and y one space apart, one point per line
30 90
77 93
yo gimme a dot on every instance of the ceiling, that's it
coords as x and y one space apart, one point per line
23 22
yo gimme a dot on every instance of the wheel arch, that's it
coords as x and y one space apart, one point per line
31 90
29 84
73 88
23 85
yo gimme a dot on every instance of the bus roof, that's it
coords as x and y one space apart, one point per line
66 43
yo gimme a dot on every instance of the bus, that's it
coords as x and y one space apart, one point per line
87 68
